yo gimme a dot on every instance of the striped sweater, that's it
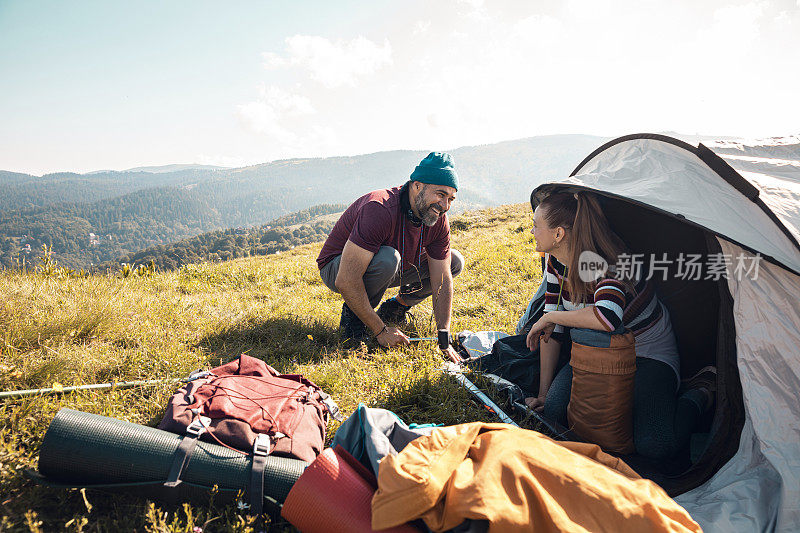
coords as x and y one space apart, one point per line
642 313
611 303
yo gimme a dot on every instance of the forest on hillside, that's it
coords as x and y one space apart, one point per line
284 233
83 235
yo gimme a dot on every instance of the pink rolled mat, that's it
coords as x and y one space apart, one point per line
334 495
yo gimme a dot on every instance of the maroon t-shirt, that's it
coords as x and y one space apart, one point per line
374 220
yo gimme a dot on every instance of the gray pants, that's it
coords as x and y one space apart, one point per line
384 272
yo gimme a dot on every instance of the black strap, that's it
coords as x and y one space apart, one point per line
261 449
444 339
184 452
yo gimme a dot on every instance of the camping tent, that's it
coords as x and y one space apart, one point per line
735 205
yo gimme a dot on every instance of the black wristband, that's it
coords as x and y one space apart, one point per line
444 339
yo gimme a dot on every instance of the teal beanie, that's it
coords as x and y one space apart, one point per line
436 169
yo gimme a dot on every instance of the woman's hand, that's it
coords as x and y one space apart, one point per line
535 403
542 328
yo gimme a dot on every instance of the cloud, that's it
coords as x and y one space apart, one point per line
460 73
737 25
271 110
421 26
333 64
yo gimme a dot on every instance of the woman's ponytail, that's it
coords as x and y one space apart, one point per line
582 240
581 214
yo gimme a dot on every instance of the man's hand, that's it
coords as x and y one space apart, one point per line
391 337
535 403
542 328
451 354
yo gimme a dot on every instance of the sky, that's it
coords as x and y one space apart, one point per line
90 85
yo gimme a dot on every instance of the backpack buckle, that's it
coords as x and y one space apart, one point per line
198 426
333 409
262 445
198 374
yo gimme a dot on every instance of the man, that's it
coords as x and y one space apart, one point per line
396 237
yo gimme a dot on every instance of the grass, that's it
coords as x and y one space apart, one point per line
81 330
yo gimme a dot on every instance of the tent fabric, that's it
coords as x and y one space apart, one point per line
774 169
757 489
763 478
518 480
479 343
670 178
533 307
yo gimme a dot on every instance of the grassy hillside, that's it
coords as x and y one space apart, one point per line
99 329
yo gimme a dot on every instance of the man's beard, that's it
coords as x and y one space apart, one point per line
428 214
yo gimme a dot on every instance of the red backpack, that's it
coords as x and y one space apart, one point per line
246 404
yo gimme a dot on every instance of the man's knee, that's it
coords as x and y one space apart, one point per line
329 272
385 263
456 262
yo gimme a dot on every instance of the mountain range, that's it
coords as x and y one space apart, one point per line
104 216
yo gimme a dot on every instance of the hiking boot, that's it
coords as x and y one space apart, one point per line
351 327
393 312
705 380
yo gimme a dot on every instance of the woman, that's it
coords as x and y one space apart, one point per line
564 226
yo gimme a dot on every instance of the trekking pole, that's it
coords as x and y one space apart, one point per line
554 429
454 371
98 386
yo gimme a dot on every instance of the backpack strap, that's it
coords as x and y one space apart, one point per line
261 448
185 450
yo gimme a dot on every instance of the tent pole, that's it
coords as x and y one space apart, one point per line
97 386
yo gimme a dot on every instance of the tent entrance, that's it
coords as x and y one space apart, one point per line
701 311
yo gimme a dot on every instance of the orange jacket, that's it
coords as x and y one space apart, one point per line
518 480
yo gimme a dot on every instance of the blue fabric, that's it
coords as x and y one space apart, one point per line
611 306
593 337
370 434
557 399
436 169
